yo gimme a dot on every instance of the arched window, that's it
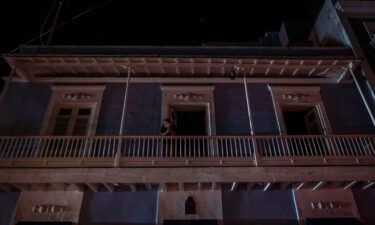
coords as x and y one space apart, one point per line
190 206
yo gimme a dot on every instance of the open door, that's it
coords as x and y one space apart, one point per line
313 123
173 115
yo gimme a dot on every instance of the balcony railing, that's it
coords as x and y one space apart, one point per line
142 151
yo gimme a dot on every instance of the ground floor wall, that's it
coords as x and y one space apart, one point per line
259 207
276 207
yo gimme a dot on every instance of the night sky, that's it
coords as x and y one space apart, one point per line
122 23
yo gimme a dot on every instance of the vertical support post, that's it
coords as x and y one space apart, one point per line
123 115
251 125
361 93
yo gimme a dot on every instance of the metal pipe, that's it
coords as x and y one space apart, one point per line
362 95
123 115
248 106
124 106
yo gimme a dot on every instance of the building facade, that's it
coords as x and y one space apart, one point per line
264 135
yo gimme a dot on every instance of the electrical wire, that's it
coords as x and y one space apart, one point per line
46 19
58 26
61 2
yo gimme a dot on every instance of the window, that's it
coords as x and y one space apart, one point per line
71 120
73 110
190 206
300 110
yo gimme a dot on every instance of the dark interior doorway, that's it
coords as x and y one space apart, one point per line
190 120
302 120
190 222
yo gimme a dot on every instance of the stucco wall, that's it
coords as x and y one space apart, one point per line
8 204
346 111
263 112
23 109
274 207
143 110
107 208
365 200
231 110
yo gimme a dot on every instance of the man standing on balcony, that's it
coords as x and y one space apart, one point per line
168 129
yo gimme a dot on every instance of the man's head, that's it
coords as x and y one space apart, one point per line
167 122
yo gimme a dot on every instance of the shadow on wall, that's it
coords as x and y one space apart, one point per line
8 205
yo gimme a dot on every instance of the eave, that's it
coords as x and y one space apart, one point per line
182 68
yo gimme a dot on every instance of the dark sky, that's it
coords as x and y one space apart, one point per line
122 23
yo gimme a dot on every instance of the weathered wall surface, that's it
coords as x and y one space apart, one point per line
274 207
23 109
107 208
262 109
346 110
231 110
143 110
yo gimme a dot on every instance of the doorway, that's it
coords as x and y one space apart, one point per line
302 120
190 120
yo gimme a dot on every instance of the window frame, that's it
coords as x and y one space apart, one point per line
306 96
86 97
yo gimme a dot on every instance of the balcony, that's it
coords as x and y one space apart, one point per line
186 151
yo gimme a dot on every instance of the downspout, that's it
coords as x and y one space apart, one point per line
251 124
248 106
123 117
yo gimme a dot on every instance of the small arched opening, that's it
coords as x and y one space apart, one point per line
190 206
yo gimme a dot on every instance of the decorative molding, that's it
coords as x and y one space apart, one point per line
50 209
188 96
70 95
295 96
298 96
78 96
329 205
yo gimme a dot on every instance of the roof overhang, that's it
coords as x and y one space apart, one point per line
107 68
